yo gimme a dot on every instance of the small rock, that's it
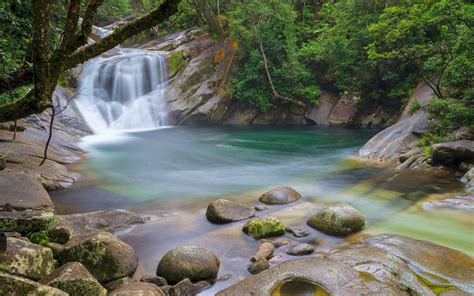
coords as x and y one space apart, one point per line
258 266
224 278
115 284
195 263
15 285
225 211
187 288
340 219
260 208
74 279
154 279
280 195
297 231
277 243
26 259
301 250
59 234
104 255
137 288
469 177
264 227
265 250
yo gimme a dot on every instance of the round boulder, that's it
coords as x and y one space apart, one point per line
340 219
195 263
280 196
264 227
104 255
138 288
224 211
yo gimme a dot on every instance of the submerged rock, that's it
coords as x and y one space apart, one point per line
193 262
74 279
26 259
104 255
297 231
264 227
224 211
301 250
258 266
138 288
340 219
280 195
450 152
15 285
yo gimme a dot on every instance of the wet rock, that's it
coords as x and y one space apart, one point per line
301 250
115 284
264 227
449 152
297 231
28 260
380 265
138 288
187 288
153 279
461 202
73 278
225 211
258 266
265 250
24 193
224 278
195 263
15 285
260 208
340 219
277 242
26 221
280 195
103 254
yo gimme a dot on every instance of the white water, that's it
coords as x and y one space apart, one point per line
124 91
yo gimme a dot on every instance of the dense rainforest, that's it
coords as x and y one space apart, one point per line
288 51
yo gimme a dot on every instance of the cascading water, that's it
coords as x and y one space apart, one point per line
124 91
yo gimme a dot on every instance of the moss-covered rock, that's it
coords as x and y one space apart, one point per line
13 285
264 227
195 263
26 221
280 195
74 279
176 62
26 259
103 254
224 211
340 219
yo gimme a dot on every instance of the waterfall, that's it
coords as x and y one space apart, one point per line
124 91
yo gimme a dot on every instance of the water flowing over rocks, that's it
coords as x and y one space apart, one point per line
339 219
264 227
280 195
225 211
104 255
192 262
74 279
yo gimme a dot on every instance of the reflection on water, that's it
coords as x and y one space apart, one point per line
299 288
176 172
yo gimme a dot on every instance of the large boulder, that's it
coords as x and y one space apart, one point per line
224 211
340 219
193 262
26 259
104 255
74 279
280 195
264 227
450 152
17 286
138 288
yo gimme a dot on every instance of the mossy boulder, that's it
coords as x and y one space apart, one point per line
193 262
280 195
340 219
74 279
18 286
224 211
138 288
104 255
28 260
26 221
264 227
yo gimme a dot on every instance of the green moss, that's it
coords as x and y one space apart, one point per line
435 287
7 224
264 227
40 223
79 287
415 106
197 77
176 62
39 238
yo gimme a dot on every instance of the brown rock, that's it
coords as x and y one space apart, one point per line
280 195
225 211
137 288
301 250
258 266
265 250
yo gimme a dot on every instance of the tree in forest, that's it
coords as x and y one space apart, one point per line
43 63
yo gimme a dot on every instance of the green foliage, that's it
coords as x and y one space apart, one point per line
429 139
40 237
415 106
453 113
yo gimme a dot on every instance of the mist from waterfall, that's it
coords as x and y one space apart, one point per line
124 91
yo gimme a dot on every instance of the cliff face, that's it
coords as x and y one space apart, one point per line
199 67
